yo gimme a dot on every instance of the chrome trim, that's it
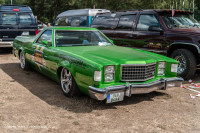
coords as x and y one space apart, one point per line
6 44
139 88
154 63
109 73
138 64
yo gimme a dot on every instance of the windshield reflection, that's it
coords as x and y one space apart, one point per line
180 21
64 38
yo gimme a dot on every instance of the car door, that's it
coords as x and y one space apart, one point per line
43 52
123 33
148 34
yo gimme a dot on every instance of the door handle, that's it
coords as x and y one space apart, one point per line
134 35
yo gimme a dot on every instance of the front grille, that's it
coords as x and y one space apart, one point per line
138 72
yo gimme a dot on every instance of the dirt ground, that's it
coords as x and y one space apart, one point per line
30 102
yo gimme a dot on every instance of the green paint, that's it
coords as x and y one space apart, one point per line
82 61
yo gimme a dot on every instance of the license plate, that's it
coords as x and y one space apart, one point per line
115 97
25 33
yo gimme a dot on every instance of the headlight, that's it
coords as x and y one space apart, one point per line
174 68
161 71
109 69
97 75
161 68
161 65
109 77
109 73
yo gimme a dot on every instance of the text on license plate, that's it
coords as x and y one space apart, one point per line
115 97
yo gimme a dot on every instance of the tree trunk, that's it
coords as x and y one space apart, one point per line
104 4
183 2
179 4
193 8
153 5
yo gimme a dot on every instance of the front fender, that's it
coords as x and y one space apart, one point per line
190 46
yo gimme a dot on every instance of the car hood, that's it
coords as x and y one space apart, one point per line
191 31
113 55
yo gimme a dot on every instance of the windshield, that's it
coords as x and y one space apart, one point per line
65 38
180 21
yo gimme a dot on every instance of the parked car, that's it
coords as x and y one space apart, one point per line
80 17
85 60
15 20
158 31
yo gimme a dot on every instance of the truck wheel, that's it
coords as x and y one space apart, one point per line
23 63
68 83
186 63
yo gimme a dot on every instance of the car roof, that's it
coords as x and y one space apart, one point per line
82 12
15 8
70 28
152 10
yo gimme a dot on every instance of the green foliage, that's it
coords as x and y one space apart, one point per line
47 10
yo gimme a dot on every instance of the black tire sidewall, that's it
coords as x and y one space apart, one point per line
190 62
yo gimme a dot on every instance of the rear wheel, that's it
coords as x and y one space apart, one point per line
186 63
23 63
68 83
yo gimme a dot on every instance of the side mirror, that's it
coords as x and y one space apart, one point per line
45 42
155 28
111 41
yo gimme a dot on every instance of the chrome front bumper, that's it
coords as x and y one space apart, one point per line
5 44
129 89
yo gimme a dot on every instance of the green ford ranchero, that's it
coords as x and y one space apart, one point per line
85 60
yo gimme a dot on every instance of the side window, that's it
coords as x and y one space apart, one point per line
146 22
126 21
25 19
79 21
46 36
9 18
63 21
107 21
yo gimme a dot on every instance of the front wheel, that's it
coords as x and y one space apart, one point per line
68 84
186 63
23 63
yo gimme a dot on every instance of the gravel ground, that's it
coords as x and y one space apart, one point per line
30 102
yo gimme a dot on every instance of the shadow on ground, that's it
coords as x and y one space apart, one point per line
50 92
5 51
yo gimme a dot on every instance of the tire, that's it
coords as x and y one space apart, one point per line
68 84
186 63
23 63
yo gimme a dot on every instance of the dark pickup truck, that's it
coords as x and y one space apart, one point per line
176 36
16 20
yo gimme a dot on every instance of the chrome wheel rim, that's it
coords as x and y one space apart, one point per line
66 80
22 60
181 63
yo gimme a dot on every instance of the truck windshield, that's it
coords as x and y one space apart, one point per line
180 21
64 38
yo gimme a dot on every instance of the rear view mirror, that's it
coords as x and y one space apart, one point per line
111 41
